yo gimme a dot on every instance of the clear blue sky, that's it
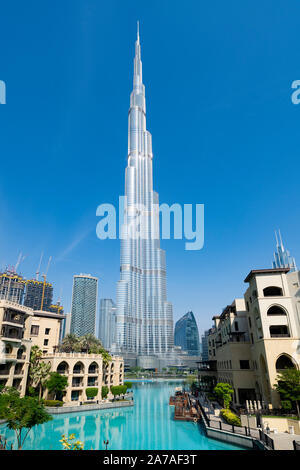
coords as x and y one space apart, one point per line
225 133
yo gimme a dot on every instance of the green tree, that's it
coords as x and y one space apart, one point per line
91 392
70 343
224 392
57 385
288 386
105 391
38 370
21 414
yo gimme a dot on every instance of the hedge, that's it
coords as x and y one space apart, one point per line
53 403
230 417
128 384
118 389
105 391
91 392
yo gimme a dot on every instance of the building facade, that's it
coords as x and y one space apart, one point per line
15 344
12 287
144 325
85 371
107 322
45 330
186 334
204 345
84 304
38 295
256 337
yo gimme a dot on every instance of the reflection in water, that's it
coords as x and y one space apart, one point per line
147 425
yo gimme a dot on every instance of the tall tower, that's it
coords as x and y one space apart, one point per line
144 322
282 257
186 334
84 304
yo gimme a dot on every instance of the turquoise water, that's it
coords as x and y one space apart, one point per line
148 425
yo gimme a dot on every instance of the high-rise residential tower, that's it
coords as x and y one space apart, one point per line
107 322
38 295
84 304
282 257
144 317
186 334
12 286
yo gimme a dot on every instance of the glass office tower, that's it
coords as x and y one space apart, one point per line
144 316
186 334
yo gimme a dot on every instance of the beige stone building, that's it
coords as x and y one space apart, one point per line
45 330
21 328
83 371
15 344
256 337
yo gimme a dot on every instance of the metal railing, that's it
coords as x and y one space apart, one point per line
296 445
266 439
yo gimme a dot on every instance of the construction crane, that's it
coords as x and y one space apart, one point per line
44 276
39 267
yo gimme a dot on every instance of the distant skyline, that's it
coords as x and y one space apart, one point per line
227 136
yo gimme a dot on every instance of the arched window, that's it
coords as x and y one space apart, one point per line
272 291
21 353
62 368
93 368
276 310
284 362
78 368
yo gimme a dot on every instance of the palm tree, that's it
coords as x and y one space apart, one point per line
90 344
38 370
70 343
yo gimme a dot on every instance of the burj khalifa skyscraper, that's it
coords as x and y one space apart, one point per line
144 318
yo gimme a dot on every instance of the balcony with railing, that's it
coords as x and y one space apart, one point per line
207 366
12 316
12 333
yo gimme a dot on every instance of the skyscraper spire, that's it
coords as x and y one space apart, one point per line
282 257
144 319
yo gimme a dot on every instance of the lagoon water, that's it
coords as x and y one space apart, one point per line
148 425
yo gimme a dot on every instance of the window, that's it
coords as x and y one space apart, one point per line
279 331
236 326
34 330
272 291
47 331
46 342
252 340
249 320
276 310
244 364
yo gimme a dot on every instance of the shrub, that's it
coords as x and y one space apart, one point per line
128 384
230 417
91 392
53 402
105 391
118 389
286 404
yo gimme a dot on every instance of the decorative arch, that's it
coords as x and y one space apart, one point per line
63 368
276 310
93 368
78 368
272 291
21 351
285 361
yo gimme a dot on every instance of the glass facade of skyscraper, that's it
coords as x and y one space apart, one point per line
144 316
186 334
84 304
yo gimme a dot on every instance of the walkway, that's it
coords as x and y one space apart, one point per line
282 441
